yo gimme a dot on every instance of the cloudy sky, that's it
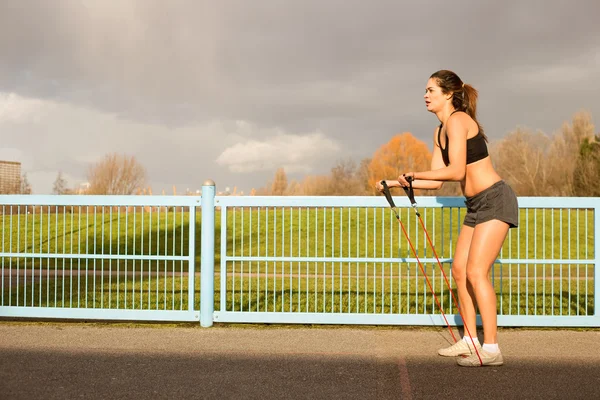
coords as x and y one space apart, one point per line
231 90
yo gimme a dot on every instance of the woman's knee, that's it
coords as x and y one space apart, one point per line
459 271
475 274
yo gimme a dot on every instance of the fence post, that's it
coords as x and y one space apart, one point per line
207 250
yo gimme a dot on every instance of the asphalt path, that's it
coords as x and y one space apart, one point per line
57 360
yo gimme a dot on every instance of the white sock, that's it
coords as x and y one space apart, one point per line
468 340
491 347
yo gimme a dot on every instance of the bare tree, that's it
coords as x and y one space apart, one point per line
344 180
564 153
586 181
25 186
538 165
60 184
261 191
280 184
521 159
294 188
116 174
363 177
316 185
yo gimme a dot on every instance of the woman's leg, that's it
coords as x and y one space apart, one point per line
486 242
466 297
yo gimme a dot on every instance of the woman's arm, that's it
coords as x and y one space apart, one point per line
417 184
457 140
437 162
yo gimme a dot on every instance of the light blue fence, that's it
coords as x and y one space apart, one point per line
333 260
99 257
345 260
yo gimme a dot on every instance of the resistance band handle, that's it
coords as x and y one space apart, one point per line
386 192
409 190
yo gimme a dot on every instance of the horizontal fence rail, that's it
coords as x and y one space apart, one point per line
98 257
334 260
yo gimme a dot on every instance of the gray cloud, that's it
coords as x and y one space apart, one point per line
170 82
292 152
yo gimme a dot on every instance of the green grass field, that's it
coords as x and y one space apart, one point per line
295 232
258 285
299 294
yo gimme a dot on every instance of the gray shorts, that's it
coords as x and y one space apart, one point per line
496 202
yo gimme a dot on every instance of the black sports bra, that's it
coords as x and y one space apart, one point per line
476 147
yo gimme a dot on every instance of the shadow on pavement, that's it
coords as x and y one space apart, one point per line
27 374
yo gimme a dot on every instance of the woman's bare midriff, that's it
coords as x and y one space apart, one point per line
480 176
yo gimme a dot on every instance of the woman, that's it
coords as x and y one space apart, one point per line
460 154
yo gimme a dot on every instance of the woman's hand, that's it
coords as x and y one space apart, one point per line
389 183
402 178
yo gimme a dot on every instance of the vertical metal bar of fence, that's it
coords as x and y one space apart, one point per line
597 262
192 258
207 251
587 258
3 230
223 281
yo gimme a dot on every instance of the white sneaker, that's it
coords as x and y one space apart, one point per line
460 348
487 359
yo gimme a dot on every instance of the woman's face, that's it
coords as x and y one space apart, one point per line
434 98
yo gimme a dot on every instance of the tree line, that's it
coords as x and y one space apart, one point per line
566 163
114 174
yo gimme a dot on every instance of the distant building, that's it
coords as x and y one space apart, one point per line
10 177
83 188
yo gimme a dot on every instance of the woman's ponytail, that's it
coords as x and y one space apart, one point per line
464 96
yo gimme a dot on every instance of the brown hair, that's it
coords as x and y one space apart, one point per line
464 96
